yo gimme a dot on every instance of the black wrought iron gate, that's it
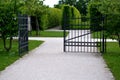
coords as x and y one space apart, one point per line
23 33
83 36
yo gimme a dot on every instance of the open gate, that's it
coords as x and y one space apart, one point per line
83 36
23 33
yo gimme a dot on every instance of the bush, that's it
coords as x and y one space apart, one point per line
54 17
44 22
69 12
66 15
51 18
75 14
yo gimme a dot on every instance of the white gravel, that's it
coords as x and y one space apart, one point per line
49 62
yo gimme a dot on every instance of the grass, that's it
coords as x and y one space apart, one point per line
48 34
112 58
7 58
96 35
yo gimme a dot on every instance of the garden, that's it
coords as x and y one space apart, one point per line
43 18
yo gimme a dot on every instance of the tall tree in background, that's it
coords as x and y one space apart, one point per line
81 5
33 8
70 2
111 10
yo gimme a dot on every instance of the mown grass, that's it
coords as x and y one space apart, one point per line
96 35
7 58
48 34
112 58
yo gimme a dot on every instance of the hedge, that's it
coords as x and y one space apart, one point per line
54 17
69 12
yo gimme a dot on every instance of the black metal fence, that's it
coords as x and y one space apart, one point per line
23 33
84 37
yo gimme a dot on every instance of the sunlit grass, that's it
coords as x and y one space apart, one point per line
7 58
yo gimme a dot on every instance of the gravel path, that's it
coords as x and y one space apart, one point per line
48 62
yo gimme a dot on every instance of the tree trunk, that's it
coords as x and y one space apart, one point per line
5 45
37 27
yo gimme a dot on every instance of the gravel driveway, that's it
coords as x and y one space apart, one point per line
49 62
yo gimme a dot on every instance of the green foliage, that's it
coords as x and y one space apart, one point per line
111 10
66 16
31 7
51 18
44 22
69 12
81 5
8 22
69 2
95 16
54 17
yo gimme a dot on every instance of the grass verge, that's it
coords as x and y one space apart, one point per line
48 34
7 58
112 58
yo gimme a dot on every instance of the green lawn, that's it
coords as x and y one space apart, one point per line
112 58
47 34
7 58
96 35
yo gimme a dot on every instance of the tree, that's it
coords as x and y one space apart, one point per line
81 5
111 10
33 8
8 22
70 2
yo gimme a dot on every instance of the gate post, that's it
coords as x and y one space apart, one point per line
64 28
104 37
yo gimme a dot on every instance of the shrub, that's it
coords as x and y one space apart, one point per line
69 12
44 22
66 15
54 17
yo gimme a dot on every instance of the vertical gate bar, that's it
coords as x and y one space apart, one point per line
90 36
97 43
72 35
87 25
75 36
105 22
71 30
78 34
81 37
85 35
94 32
105 45
100 40
103 36
64 28
69 35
